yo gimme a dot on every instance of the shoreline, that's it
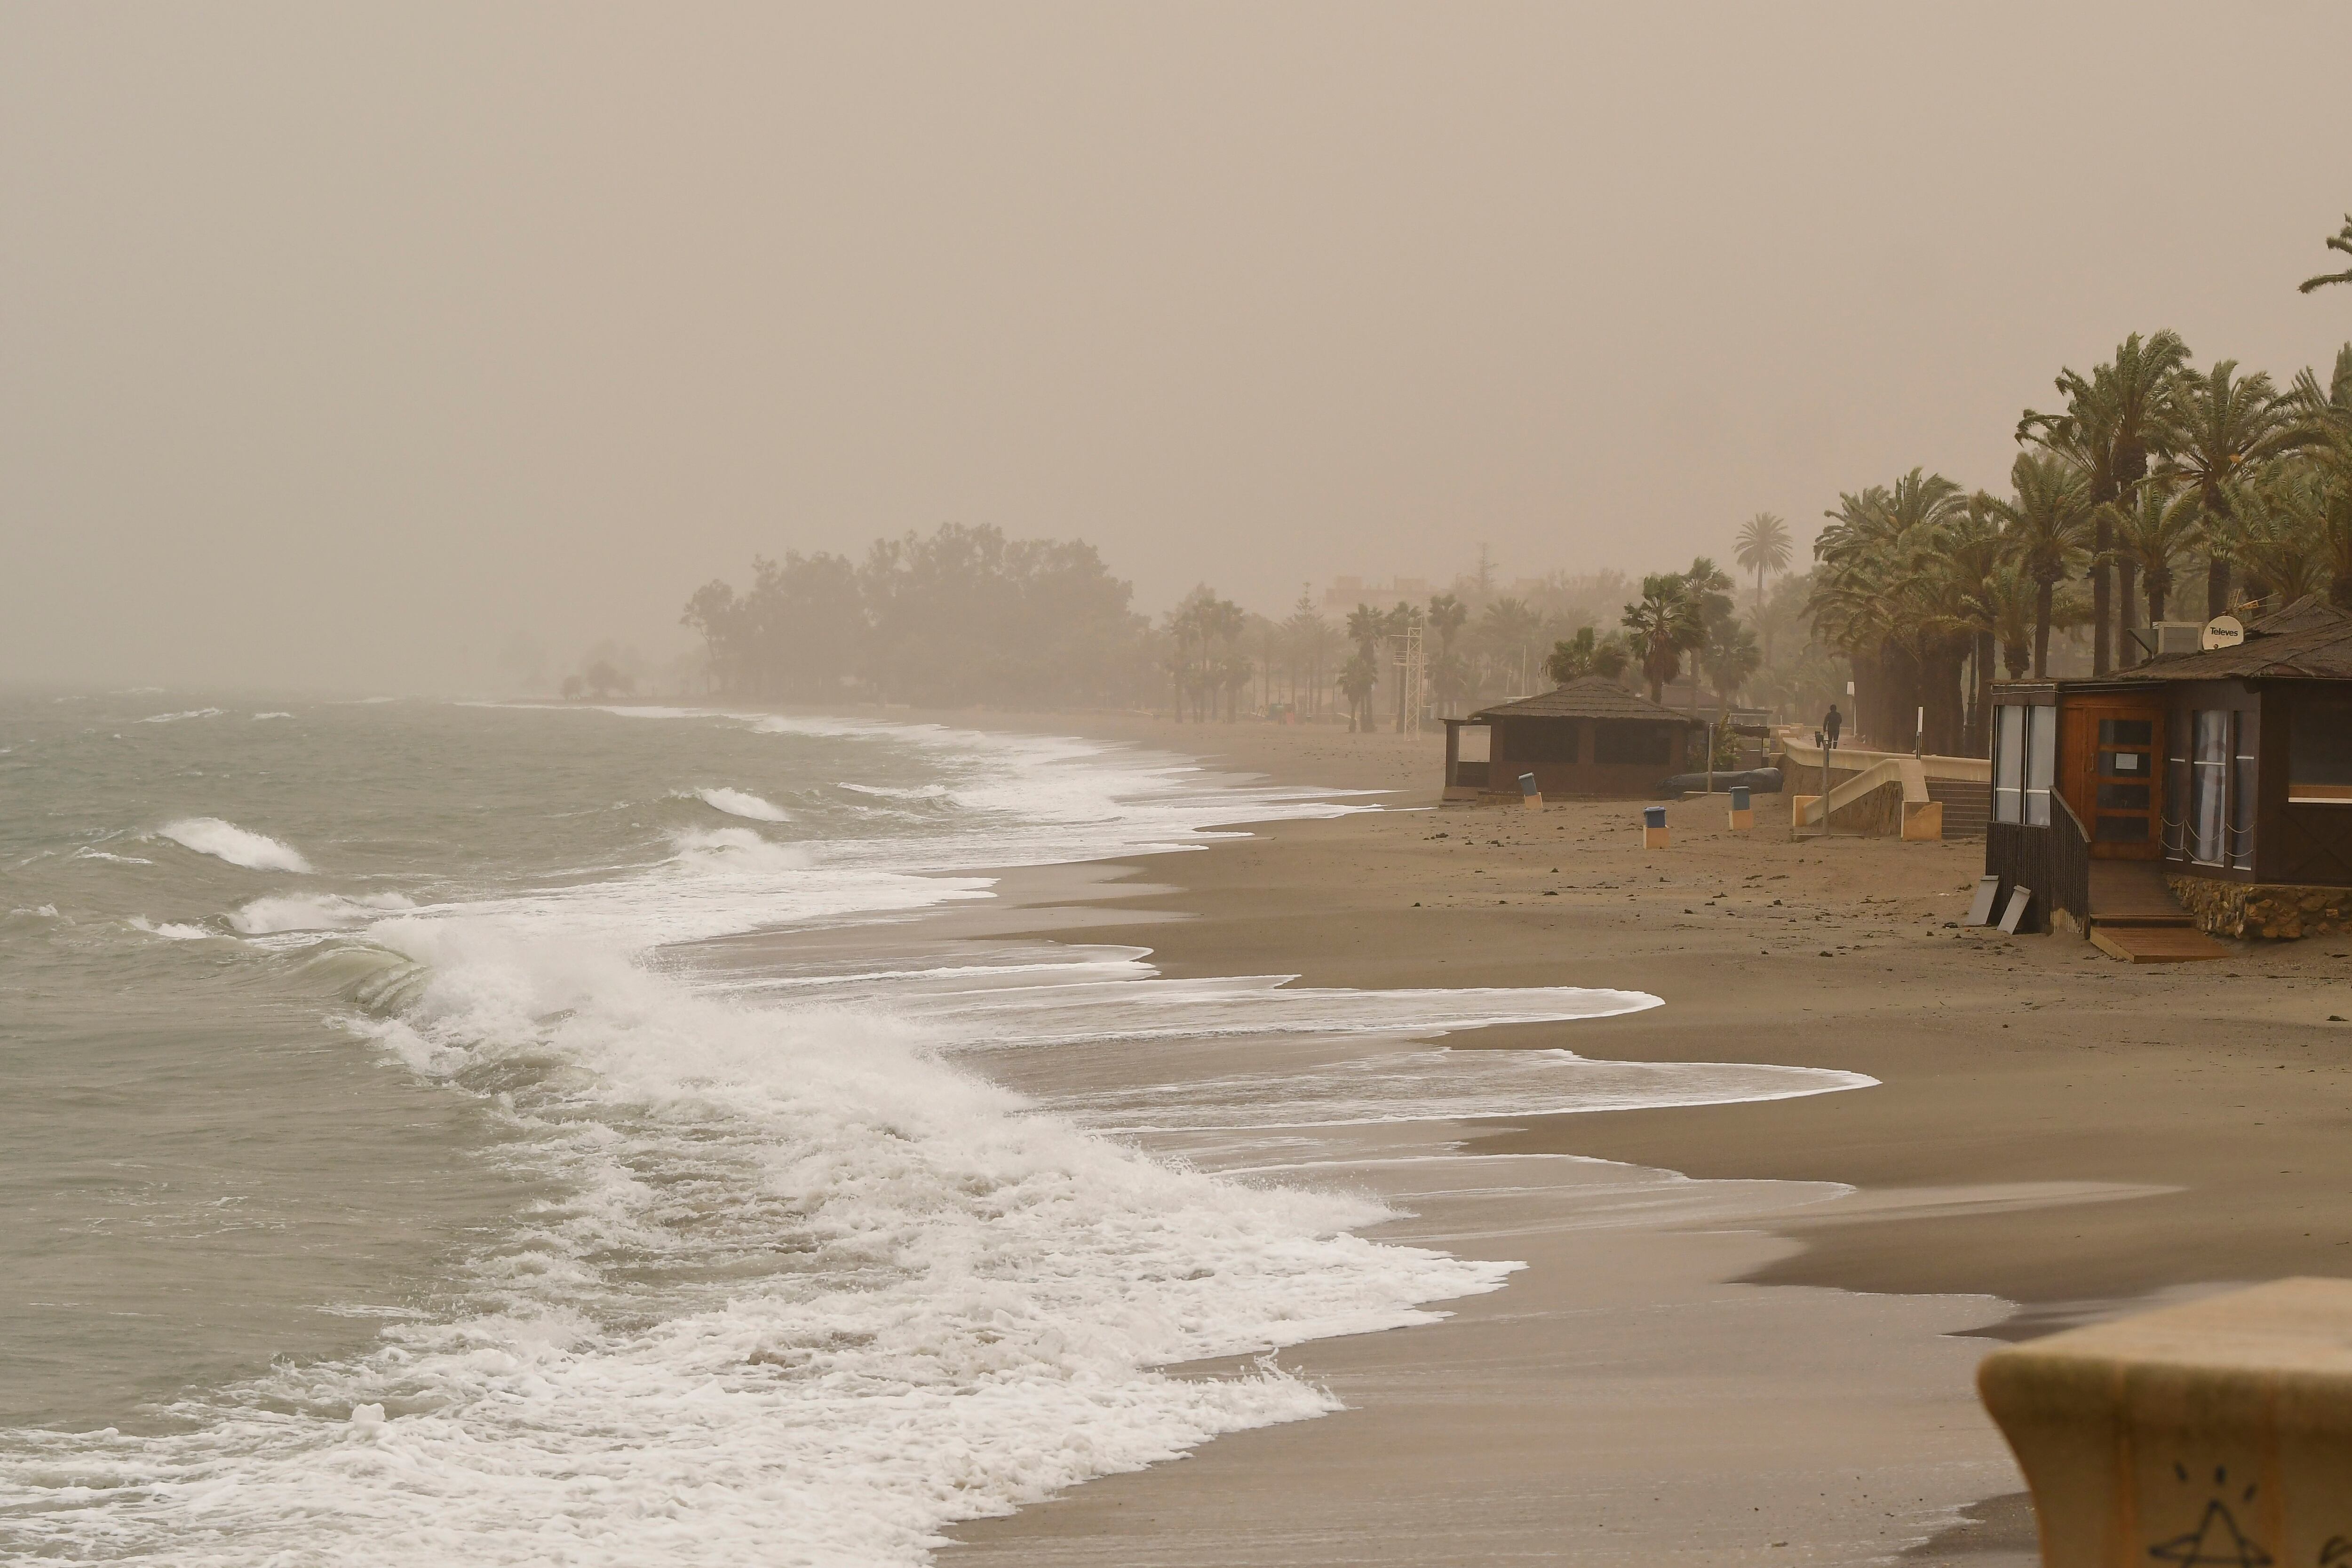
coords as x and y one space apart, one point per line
2050 1129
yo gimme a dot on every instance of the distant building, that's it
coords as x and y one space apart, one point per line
1590 737
1345 593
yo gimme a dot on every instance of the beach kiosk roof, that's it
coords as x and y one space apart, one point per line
1588 736
2219 781
1587 697
2310 639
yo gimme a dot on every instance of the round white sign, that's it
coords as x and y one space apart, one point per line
2223 631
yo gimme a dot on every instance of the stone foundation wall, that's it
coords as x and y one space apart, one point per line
2277 910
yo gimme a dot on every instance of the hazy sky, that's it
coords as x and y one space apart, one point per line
346 345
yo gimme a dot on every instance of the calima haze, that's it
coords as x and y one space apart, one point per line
1138 785
392 341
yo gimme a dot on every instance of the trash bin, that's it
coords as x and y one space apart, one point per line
1653 827
1743 809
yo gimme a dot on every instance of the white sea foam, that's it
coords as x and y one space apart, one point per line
175 931
812 1288
273 715
316 911
226 841
175 718
89 854
738 803
917 792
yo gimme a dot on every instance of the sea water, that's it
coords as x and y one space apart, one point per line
410 1154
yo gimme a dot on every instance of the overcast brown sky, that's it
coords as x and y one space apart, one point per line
345 345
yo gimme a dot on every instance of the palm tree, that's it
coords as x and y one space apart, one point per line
1586 653
1511 629
2298 532
1356 679
1763 546
2220 427
2112 418
1730 655
1880 544
1400 622
1663 625
2046 522
2341 240
2153 533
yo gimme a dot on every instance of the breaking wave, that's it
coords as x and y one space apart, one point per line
738 803
227 841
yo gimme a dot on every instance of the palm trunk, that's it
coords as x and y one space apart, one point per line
2127 595
2217 586
2156 591
1981 723
2041 616
2102 598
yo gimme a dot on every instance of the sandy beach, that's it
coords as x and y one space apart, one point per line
1770 1361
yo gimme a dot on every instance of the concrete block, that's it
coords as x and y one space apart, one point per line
2216 1432
1743 821
1923 821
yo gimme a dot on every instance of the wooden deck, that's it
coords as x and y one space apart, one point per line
2135 917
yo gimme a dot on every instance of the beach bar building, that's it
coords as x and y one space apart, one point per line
1590 737
2213 787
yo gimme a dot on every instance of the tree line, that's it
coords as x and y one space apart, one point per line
960 617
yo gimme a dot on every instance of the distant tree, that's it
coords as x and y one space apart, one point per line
1662 626
1586 653
604 681
1307 642
715 614
2221 426
2155 533
1356 680
2048 525
1729 656
2341 240
2114 419
1763 546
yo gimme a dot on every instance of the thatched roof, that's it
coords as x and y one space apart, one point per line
1587 697
2310 639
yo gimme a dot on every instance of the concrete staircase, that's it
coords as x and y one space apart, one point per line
1967 806
2134 917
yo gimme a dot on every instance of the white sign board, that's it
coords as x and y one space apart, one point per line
2222 631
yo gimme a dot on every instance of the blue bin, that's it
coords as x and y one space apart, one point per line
1527 784
1739 798
1653 816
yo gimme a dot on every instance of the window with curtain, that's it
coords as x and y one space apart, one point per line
2008 763
2040 764
2209 788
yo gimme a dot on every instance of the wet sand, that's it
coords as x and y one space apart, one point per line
1746 1367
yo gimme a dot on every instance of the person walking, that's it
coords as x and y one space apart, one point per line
1832 722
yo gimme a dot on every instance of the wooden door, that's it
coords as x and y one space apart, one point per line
2114 775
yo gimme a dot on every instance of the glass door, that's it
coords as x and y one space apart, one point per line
2118 781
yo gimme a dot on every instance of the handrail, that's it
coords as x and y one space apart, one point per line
1974 770
1888 770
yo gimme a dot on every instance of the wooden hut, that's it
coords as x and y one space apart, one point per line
2226 772
1590 737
